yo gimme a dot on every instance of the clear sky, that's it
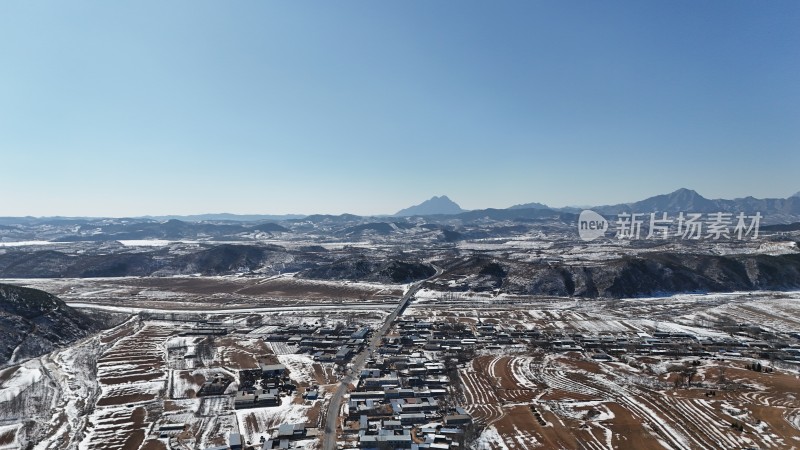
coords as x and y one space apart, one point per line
119 108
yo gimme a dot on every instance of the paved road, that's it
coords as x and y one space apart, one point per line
329 436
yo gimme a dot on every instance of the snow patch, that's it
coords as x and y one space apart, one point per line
24 377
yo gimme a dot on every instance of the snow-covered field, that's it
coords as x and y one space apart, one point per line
257 422
26 375
569 400
24 243
126 382
301 367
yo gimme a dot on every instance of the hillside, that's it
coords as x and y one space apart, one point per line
208 260
362 269
649 275
33 322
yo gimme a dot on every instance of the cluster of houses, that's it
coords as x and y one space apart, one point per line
325 344
290 435
744 340
262 387
606 346
215 386
401 398
286 436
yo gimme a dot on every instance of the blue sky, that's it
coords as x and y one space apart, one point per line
153 107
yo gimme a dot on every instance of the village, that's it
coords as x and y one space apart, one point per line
409 391
439 372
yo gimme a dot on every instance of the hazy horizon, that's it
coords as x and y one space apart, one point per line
149 108
307 213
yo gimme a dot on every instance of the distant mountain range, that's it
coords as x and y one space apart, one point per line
774 211
432 207
222 217
533 205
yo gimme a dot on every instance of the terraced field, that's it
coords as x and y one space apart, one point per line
133 381
566 401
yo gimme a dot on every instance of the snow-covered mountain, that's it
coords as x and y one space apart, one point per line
33 322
